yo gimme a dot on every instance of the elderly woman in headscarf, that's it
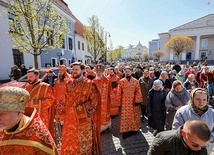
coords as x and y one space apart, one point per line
155 107
176 98
197 108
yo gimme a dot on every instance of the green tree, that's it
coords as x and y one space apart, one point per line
94 34
179 44
36 27
117 53
158 54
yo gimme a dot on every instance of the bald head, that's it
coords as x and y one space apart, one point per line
198 128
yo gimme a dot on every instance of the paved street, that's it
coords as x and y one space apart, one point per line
114 144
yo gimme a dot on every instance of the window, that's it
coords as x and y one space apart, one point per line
17 57
14 24
69 61
62 38
204 43
50 37
53 62
70 44
83 46
78 45
69 25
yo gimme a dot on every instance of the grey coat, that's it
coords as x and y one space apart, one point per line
175 99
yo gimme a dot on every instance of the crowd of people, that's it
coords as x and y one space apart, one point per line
76 107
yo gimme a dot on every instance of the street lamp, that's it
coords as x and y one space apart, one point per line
59 54
107 34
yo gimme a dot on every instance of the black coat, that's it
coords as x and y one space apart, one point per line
156 108
171 143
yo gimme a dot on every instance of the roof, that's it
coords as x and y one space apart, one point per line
79 28
64 7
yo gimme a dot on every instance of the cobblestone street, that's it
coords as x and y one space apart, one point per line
114 144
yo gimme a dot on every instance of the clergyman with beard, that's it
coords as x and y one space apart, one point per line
129 97
59 93
81 128
41 97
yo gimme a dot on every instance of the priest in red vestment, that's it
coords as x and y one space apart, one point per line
129 97
22 130
103 86
114 80
41 97
81 129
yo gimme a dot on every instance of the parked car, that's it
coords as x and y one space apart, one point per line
22 81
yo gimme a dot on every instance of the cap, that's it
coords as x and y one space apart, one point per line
13 98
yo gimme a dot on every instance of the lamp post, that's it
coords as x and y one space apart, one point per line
59 54
107 34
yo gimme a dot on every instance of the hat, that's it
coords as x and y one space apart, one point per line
99 67
13 98
158 83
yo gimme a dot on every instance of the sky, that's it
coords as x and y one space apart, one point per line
131 21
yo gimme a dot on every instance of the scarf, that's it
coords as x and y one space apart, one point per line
199 111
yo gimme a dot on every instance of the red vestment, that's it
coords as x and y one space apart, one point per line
119 74
129 94
32 137
42 98
114 106
81 129
59 91
103 86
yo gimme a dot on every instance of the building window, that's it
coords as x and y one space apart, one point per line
53 62
69 25
69 61
62 38
50 37
83 46
17 57
14 24
78 45
70 43
204 43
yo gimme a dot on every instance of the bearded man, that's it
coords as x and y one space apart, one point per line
103 86
129 97
81 129
114 80
41 97
58 111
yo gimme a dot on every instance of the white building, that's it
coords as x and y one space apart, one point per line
133 50
201 31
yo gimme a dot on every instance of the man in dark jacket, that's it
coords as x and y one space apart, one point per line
190 139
